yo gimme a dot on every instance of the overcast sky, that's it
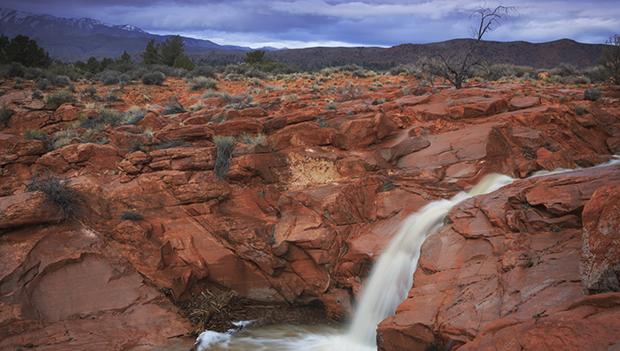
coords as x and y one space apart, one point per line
298 23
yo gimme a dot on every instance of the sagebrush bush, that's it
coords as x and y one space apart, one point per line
204 71
153 78
225 146
35 134
103 118
201 82
91 91
134 115
173 107
61 81
42 84
54 100
57 191
109 77
592 94
5 115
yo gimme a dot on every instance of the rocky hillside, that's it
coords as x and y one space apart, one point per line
122 231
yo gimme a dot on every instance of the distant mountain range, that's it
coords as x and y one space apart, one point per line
80 38
73 39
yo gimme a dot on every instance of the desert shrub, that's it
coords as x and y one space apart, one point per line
54 100
564 70
503 70
134 115
255 82
35 134
5 115
103 118
42 84
57 191
131 216
61 81
363 73
37 94
224 146
203 71
592 94
596 74
239 102
350 92
173 106
201 82
16 70
33 73
210 94
197 106
580 110
63 138
332 106
153 78
91 91
253 139
109 77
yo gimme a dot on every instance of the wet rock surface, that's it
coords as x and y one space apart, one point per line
315 187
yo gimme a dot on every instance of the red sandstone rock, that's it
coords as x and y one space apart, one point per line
27 209
601 235
505 263
302 218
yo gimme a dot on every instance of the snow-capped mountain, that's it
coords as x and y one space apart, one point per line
80 38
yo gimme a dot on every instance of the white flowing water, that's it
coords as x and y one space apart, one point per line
389 282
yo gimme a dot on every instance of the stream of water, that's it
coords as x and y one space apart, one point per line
387 286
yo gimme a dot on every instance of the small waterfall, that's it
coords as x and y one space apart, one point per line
392 275
388 285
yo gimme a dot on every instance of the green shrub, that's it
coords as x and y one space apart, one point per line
61 81
57 191
54 100
581 110
225 146
173 107
5 115
91 91
204 71
42 84
109 77
153 78
199 83
103 118
37 95
35 134
592 94
63 138
134 115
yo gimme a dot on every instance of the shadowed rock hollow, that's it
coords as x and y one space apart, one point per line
321 174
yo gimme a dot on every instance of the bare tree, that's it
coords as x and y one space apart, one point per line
611 58
459 66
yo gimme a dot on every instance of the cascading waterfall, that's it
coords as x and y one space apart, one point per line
389 282
392 275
